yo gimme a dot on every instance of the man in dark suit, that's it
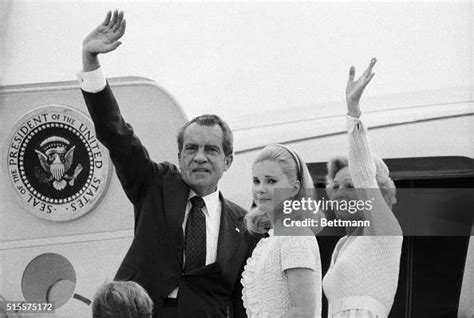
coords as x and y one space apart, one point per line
190 244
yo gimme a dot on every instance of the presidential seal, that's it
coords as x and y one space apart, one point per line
56 164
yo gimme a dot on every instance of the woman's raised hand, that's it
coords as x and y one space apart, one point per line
354 89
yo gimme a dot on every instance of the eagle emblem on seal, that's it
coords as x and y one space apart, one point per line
56 157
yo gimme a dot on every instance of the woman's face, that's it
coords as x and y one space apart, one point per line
271 186
342 189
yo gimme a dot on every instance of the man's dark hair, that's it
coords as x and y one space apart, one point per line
210 120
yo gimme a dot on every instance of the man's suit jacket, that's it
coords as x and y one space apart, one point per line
159 196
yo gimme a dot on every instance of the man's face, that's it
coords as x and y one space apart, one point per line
201 160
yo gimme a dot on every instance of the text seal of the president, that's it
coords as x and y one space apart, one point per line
56 164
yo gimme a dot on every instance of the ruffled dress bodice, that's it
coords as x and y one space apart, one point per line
265 283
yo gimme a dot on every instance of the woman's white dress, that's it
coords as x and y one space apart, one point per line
265 283
363 276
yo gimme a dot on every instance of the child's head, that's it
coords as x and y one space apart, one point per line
120 299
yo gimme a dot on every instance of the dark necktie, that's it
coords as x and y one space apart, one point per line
195 248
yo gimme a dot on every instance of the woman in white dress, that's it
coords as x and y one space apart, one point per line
283 276
363 275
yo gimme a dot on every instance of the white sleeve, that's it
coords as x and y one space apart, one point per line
363 171
92 82
300 252
361 163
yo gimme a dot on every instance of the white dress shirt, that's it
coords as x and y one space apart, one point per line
212 211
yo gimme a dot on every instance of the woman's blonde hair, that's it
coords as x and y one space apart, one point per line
294 169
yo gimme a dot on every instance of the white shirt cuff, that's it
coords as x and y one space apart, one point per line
353 123
92 82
